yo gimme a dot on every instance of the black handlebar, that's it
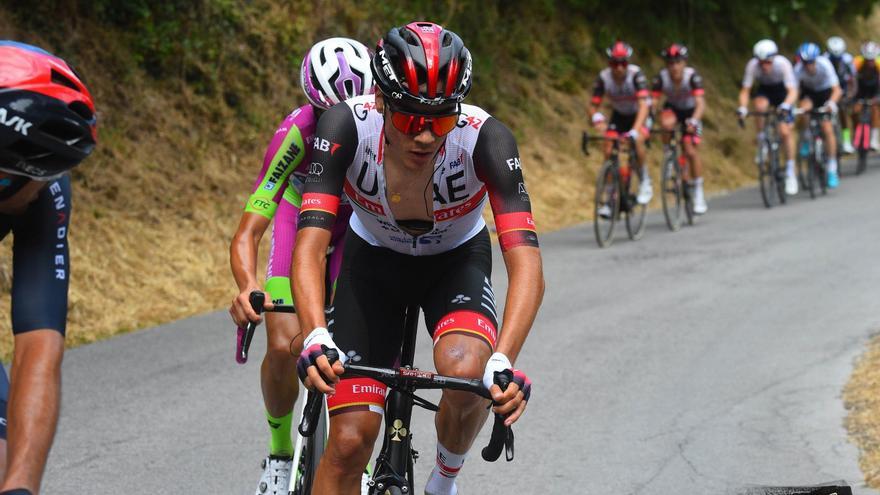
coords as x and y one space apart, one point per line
502 435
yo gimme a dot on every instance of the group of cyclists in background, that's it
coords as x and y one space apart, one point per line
388 127
824 84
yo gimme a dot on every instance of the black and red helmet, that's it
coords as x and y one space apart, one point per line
619 51
47 116
422 65
675 51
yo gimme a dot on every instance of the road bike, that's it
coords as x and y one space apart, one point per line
308 449
393 471
812 156
677 190
771 175
616 190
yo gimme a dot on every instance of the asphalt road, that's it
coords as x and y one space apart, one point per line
702 361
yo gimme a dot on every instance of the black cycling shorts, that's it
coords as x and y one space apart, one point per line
40 259
4 399
775 93
866 92
376 285
818 98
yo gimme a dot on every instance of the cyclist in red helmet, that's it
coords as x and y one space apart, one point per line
683 88
418 166
627 88
47 127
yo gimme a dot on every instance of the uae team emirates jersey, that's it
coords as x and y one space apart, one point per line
479 160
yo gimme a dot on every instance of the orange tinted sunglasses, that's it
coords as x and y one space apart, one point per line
412 124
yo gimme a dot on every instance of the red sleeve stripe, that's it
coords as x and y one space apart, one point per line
641 93
509 222
320 202
656 93
596 100
698 92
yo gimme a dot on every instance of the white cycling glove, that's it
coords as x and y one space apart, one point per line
498 362
598 117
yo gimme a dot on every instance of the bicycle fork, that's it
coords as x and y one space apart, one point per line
394 465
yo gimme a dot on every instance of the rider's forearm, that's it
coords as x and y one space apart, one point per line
243 252
744 96
700 107
307 277
792 95
835 94
525 291
642 114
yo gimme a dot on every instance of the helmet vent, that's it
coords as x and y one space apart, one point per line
62 130
82 110
59 78
26 149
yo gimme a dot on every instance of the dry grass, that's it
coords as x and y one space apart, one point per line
862 399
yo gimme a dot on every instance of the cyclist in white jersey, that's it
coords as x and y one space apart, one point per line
683 88
820 88
844 64
777 87
627 89
418 167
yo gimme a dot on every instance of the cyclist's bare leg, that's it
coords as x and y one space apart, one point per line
761 104
602 128
787 137
830 138
875 116
278 371
34 397
693 158
461 414
667 123
349 446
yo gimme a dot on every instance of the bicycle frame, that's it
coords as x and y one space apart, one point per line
394 464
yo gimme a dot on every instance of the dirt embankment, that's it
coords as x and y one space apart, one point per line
156 205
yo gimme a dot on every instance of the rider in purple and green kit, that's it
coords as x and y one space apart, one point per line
333 70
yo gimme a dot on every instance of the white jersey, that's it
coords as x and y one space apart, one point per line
825 77
781 73
459 194
624 96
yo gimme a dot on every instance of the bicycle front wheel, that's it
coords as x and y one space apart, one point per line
812 167
606 206
765 175
635 211
306 463
671 192
778 177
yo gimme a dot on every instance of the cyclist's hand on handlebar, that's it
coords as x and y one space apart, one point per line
597 119
313 367
512 401
741 112
632 134
241 311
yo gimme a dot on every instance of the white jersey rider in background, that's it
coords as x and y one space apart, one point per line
627 89
683 88
777 87
844 64
820 88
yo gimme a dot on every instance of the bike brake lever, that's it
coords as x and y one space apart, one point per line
245 336
585 143
314 401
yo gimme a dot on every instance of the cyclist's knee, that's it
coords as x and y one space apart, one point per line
460 356
350 444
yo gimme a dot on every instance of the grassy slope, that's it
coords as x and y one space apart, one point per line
156 205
